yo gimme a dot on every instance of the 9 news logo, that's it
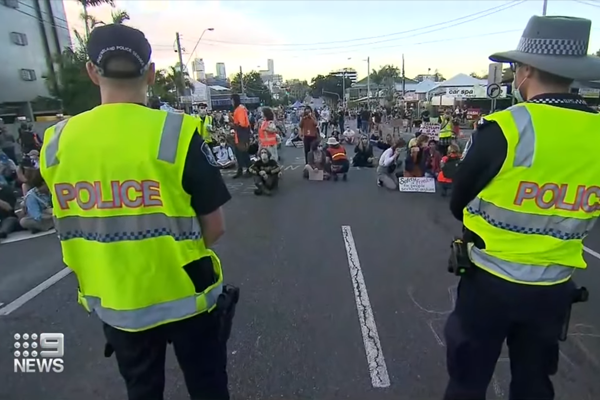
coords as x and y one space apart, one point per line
39 353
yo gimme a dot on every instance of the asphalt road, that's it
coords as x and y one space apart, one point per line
297 331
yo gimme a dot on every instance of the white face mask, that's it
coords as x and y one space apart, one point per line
202 112
517 90
264 157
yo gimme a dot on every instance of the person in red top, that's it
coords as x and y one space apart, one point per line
267 133
241 127
337 159
449 165
309 130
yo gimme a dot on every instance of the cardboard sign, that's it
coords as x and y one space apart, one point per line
416 185
431 129
315 175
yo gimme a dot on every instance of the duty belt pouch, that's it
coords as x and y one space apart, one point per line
226 305
459 262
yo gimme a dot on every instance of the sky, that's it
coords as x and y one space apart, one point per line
307 38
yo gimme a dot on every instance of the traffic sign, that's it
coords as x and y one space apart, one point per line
495 73
493 91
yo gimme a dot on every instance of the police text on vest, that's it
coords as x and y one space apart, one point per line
118 194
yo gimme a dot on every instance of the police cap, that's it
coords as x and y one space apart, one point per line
119 41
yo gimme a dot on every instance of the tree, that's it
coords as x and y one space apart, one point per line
72 86
296 90
254 86
477 76
437 77
329 86
597 53
386 78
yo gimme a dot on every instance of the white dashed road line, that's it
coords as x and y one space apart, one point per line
591 252
20 301
374 352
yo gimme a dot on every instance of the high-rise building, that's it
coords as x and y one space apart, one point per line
271 67
350 73
31 33
199 69
221 73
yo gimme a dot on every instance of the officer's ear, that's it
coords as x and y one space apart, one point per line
92 73
151 74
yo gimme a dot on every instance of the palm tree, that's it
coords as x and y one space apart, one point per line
119 16
92 3
174 76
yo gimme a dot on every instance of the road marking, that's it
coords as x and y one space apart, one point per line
374 352
19 302
19 236
591 252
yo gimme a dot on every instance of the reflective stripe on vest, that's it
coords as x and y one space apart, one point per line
127 228
156 314
130 227
558 227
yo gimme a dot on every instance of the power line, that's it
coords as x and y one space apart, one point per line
499 8
431 30
588 3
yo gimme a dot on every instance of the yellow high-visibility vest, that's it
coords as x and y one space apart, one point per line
534 215
125 223
446 128
202 128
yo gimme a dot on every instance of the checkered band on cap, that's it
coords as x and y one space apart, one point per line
554 47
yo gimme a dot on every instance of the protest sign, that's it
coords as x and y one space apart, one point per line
431 129
315 175
417 185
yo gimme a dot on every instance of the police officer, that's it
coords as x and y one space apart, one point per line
525 214
205 126
137 227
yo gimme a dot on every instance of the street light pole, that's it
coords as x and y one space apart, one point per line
197 43
545 8
369 83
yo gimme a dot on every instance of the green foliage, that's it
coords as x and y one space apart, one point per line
597 54
330 86
254 86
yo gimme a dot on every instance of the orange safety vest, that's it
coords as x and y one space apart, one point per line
337 153
265 138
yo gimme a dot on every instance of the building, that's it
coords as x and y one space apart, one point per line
350 73
32 32
271 66
198 69
221 72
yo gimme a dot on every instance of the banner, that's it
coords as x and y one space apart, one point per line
416 185
431 129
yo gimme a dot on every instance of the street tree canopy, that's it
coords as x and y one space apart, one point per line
254 86
330 86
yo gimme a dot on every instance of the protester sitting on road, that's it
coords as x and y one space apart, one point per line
414 164
267 173
316 160
7 142
8 220
349 136
432 159
224 154
37 208
363 154
389 163
26 171
336 159
448 165
384 144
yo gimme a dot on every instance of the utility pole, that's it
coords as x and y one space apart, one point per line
403 79
545 8
181 71
369 83
343 87
241 80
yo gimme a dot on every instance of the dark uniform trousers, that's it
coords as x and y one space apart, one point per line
490 310
201 354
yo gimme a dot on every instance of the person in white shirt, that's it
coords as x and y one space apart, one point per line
389 161
325 116
224 155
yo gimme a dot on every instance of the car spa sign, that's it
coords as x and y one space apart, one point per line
467 91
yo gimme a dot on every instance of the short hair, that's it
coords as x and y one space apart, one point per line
551 79
124 66
268 113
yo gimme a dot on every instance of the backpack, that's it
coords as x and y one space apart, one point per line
450 167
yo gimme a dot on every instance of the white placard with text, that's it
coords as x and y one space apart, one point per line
416 185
